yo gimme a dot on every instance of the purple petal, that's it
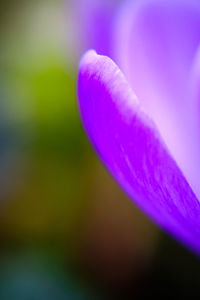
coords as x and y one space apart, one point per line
194 88
94 19
155 45
156 42
130 146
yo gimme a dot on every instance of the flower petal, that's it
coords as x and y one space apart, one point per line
130 146
155 44
93 22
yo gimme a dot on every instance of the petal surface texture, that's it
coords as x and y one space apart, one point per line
131 148
155 45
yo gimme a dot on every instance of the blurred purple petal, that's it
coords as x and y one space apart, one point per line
94 19
130 145
155 45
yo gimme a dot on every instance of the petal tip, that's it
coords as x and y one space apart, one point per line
88 57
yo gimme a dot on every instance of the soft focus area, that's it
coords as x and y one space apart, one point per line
67 231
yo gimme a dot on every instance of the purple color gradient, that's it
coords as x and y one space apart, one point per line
156 46
150 143
95 19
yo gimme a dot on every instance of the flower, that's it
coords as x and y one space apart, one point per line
144 123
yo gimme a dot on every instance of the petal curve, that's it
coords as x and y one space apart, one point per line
130 146
155 44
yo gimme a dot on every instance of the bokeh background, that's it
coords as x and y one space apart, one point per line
67 231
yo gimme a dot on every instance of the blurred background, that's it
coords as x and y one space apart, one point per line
67 231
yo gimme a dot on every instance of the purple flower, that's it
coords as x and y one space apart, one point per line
145 124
